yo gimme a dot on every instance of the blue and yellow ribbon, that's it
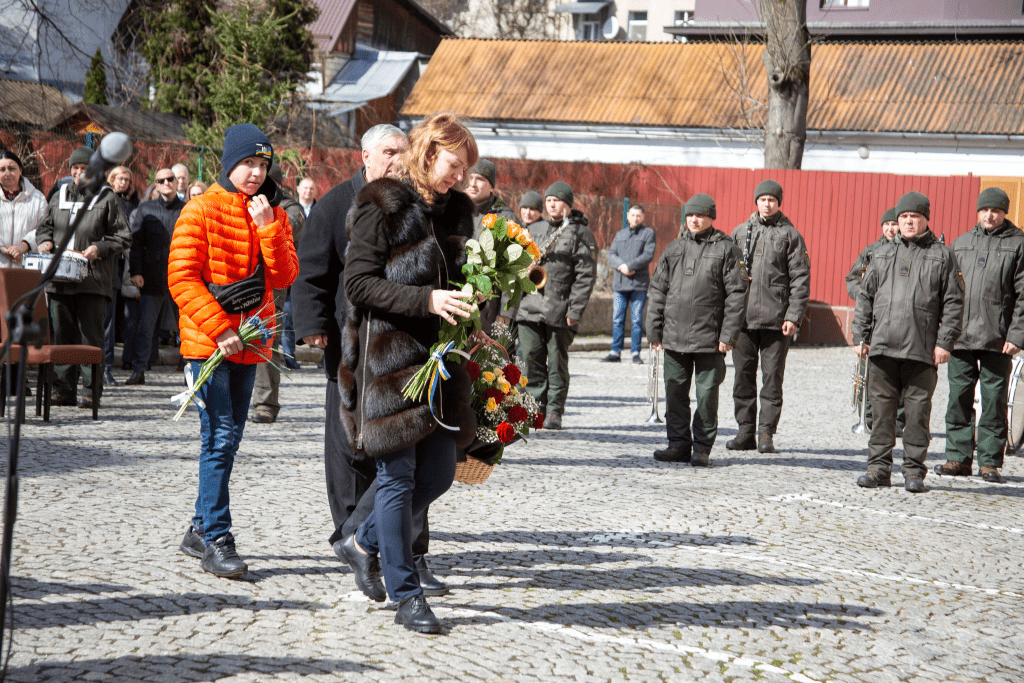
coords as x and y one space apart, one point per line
438 373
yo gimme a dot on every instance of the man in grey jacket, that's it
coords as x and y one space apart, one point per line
698 297
907 320
548 319
630 255
776 260
991 257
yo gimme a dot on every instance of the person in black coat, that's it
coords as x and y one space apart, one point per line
407 245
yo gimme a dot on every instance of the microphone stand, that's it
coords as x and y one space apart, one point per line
24 332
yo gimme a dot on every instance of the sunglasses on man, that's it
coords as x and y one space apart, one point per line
164 181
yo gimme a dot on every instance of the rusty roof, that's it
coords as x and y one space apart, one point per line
963 88
138 124
328 25
30 103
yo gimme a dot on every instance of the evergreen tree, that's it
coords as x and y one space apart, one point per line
178 47
96 81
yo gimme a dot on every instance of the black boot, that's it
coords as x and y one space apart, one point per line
674 453
414 613
553 421
914 484
138 377
221 559
742 442
765 444
701 457
193 545
108 378
873 480
428 582
366 569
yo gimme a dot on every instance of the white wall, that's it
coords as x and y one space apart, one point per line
679 148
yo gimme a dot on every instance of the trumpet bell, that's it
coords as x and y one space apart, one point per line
538 276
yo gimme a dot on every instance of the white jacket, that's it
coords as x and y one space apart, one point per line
19 218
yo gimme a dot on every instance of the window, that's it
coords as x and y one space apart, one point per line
684 18
637 29
590 28
839 4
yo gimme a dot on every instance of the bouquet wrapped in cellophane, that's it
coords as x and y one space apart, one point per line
495 263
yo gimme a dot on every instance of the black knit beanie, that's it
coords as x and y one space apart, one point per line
914 202
993 198
561 190
487 169
701 205
242 141
532 200
80 156
768 187
890 216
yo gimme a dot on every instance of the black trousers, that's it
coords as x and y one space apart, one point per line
352 481
771 346
888 379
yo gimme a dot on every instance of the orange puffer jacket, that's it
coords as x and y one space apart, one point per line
215 241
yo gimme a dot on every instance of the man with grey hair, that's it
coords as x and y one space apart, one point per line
181 179
318 305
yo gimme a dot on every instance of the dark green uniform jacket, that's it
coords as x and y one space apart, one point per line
698 294
911 300
860 266
104 224
779 269
993 268
571 264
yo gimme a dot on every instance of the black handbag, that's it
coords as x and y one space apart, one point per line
242 296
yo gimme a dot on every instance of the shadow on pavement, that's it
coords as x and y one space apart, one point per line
183 667
634 578
584 539
26 587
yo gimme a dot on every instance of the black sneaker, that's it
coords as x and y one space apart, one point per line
221 559
193 545
414 613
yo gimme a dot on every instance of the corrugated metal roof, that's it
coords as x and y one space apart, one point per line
369 75
963 88
327 27
29 102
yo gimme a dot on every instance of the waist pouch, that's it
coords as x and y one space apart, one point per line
242 296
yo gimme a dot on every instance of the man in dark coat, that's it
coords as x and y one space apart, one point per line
698 297
776 260
318 297
991 258
152 227
77 309
630 255
907 320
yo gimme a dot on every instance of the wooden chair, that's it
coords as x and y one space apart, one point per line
13 283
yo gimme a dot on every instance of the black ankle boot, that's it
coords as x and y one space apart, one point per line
414 614
742 442
366 569
221 559
429 584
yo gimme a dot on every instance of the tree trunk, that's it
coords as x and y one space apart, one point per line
787 60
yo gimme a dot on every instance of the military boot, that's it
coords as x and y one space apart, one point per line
674 453
953 468
701 457
742 442
765 444
991 474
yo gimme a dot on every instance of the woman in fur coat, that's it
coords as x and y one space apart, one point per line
407 242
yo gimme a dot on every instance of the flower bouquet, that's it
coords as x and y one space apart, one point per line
495 263
252 329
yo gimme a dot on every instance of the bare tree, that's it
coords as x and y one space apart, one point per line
787 60
522 19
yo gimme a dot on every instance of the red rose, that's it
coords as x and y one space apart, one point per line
496 394
506 432
517 414
539 422
511 373
474 371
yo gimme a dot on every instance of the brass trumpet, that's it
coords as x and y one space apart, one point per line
860 395
652 385
538 276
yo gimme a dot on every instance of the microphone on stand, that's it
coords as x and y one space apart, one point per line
113 150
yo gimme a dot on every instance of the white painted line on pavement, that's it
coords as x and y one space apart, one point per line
807 498
591 637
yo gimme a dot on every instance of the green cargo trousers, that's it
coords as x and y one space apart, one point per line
77 319
888 379
267 386
680 371
966 368
546 351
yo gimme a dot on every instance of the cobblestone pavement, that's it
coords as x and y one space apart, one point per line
581 558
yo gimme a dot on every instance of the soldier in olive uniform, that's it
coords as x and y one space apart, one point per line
890 228
531 208
907 320
480 184
696 308
991 257
780 285
549 318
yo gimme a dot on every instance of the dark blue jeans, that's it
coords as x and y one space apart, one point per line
408 481
226 395
152 308
635 302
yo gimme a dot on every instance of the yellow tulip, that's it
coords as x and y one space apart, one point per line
491 405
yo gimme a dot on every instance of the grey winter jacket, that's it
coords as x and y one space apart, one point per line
570 263
104 225
780 271
911 300
860 266
698 294
993 269
635 249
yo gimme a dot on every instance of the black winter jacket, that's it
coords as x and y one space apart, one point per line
152 226
993 268
698 294
860 266
570 262
911 300
399 251
780 271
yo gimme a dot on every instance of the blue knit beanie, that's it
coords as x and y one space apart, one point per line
242 141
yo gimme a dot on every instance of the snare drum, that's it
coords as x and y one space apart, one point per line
73 266
1015 405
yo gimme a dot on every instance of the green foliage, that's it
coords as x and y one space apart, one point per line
96 81
178 47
